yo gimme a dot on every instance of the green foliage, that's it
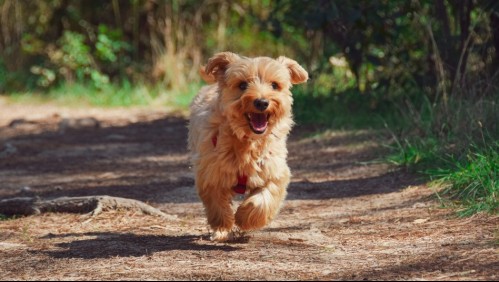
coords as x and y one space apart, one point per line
346 110
386 45
110 44
455 144
71 59
124 94
14 79
109 95
3 76
75 53
473 181
415 153
183 98
377 38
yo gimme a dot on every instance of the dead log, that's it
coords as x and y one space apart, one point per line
93 205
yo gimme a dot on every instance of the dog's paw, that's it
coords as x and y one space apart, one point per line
236 235
222 236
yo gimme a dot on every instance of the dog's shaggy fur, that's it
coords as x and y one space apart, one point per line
238 129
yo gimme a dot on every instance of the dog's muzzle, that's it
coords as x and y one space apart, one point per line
261 104
259 120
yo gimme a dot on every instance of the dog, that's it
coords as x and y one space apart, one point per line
238 128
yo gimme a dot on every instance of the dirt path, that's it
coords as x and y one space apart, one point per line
347 217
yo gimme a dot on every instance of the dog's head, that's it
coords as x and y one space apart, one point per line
255 92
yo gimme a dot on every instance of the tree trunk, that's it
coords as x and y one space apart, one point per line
464 44
494 26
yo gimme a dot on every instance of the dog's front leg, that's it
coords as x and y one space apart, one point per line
218 207
262 204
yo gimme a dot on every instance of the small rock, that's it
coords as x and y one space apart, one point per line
25 189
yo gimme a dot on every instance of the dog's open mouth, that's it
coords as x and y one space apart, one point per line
258 122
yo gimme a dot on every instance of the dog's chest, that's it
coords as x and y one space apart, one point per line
263 157
256 161
258 155
267 162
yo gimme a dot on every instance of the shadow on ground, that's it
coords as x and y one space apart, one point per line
382 184
107 245
148 160
445 265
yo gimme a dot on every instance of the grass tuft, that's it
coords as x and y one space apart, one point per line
473 182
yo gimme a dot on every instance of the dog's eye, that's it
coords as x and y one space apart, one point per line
275 86
243 86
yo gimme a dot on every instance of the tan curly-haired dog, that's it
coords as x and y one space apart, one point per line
237 137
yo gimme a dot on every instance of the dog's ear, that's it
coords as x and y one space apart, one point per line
207 77
217 65
298 74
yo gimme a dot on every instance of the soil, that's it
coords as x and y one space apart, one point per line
348 216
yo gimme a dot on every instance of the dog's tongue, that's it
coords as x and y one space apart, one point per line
258 121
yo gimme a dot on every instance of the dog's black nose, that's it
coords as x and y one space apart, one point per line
261 104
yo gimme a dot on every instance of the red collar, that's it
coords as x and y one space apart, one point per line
240 188
214 140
